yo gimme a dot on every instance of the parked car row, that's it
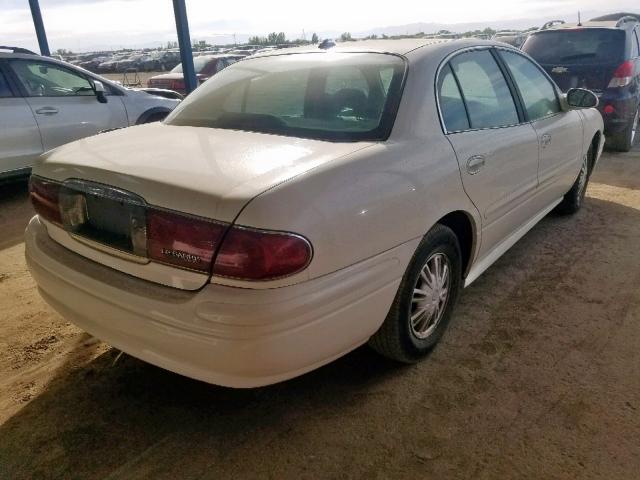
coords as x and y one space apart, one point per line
45 103
300 204
154 61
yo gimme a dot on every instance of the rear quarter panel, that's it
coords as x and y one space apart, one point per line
377 198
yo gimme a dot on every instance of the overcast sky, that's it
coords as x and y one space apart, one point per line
81 24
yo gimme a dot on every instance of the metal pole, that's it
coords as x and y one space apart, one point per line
184 40
39 26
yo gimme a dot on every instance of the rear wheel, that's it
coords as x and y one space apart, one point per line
425 299
624 141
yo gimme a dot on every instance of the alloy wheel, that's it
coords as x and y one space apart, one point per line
430 295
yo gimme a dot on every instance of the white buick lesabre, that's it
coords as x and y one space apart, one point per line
302 203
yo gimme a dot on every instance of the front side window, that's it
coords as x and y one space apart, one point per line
337 96
452 108
485 90
42 79
537 92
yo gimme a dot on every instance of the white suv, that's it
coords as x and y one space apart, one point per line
45 103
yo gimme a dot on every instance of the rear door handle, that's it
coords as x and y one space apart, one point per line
47 111
545 140
475 164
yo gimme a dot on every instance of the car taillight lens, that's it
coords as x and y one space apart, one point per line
177 85
623 75
44 196
249 254
176 239
182 241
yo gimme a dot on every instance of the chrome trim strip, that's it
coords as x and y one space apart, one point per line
110 250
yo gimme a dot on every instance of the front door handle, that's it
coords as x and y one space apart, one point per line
545 140
47 111
475 164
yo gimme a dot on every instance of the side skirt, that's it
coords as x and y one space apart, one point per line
480 266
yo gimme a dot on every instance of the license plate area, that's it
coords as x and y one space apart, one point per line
104 216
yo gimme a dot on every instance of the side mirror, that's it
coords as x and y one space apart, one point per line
101 93
581 98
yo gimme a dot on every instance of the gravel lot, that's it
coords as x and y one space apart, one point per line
538 377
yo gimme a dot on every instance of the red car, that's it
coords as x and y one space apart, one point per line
205 67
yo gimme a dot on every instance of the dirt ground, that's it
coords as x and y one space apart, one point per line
537 377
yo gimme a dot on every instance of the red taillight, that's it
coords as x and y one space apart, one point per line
608 109
177 85
624 70
176 239
181 240
44 196
623 75
249 254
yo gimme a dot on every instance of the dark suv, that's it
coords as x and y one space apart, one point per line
601 55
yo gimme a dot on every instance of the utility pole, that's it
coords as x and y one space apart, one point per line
184 41
39 26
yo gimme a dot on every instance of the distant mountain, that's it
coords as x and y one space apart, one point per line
515 24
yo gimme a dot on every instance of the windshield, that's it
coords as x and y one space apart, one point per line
332 96
577 46
198 63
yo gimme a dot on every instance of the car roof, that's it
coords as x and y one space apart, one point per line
414 47
613 24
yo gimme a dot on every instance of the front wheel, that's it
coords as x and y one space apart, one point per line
425 299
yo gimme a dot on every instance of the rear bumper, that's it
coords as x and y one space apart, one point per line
222 335
624 105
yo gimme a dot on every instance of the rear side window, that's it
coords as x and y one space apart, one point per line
536 90
5 91
634 45
590 46
485 90
452 108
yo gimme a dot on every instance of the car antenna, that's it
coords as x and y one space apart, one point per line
579 21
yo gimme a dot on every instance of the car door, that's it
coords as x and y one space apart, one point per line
64 103
497 152
20 142
560 135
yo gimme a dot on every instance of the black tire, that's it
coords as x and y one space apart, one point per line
624 141
396 338
154 117
574 198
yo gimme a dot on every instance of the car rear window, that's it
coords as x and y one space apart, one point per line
577 46
330 96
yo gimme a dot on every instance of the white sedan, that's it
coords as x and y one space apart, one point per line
45 103
305 202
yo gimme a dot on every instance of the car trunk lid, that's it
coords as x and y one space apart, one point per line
114 179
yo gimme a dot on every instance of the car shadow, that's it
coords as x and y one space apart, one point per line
15 212
118 416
